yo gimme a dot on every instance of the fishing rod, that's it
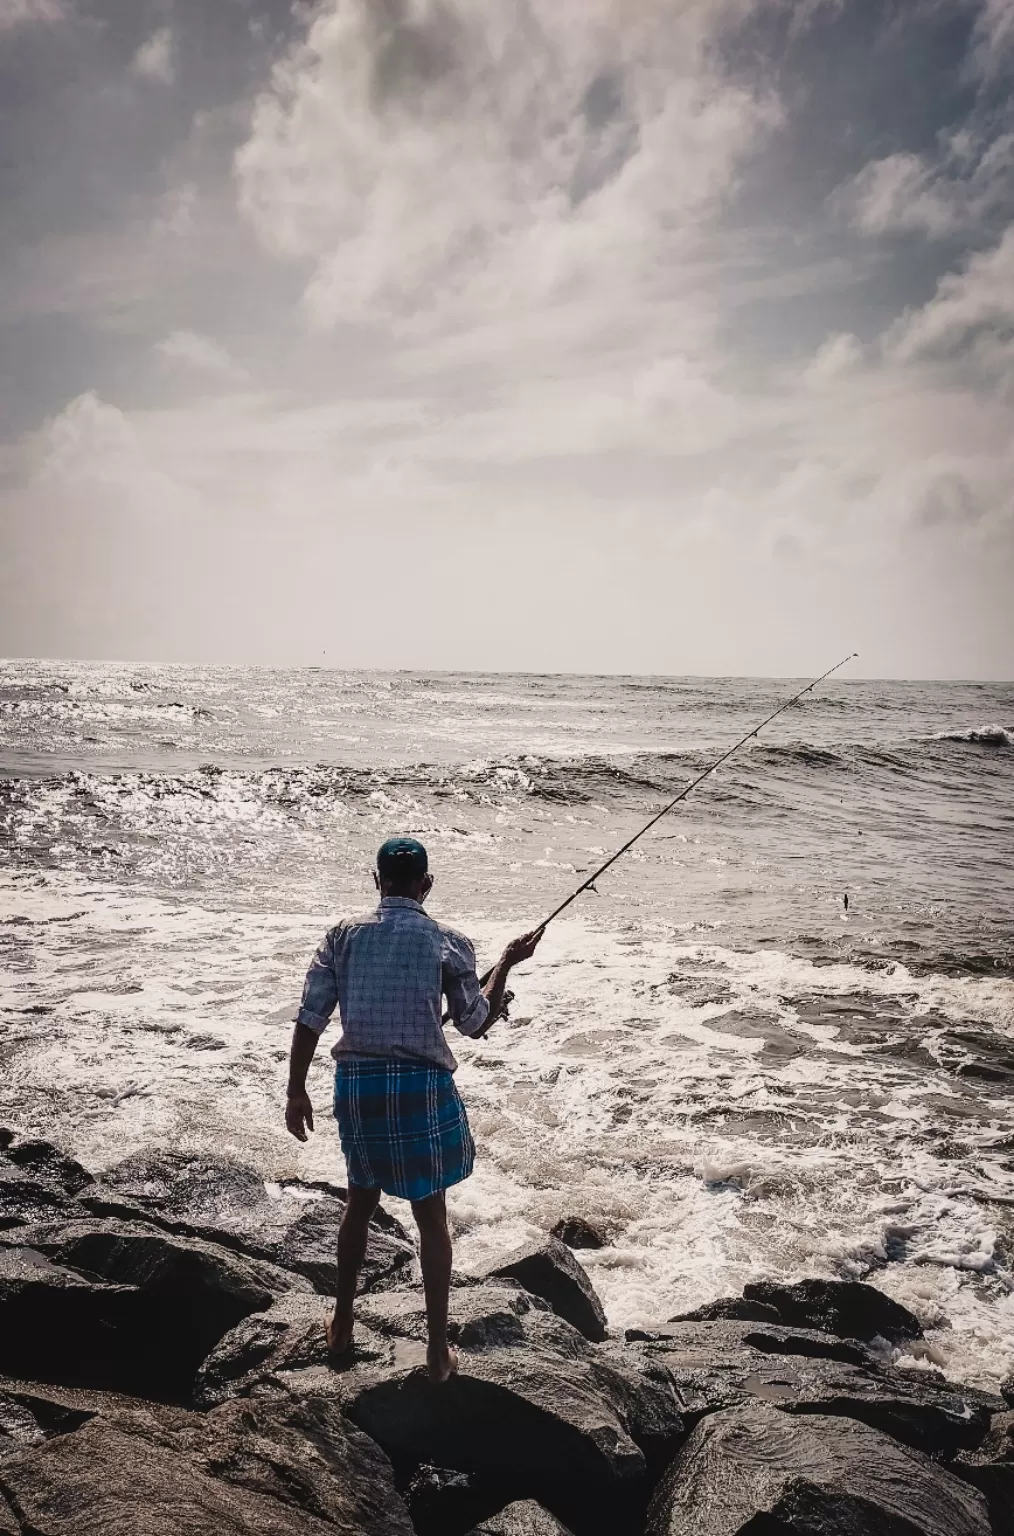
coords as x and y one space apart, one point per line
589 883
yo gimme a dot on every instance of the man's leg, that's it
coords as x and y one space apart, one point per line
353 1235
435 1256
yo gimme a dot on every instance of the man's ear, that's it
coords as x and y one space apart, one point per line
427 886
376 880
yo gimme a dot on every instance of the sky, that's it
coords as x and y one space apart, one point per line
669 336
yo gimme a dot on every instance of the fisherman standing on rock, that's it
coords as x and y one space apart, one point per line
402 1124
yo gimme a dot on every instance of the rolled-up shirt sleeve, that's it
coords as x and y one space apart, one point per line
320 989
465 1002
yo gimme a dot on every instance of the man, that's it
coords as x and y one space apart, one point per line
403 1127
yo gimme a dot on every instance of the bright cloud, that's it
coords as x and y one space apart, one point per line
201 353
17 13
155 59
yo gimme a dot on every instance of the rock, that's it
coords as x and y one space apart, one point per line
266 1346
730 1308
446 1503
48 1162
525 1518
845 1307
1007 1389
536 1411
25 1198
770 1339
55 1324
990 1469
578 1233
213 1198
549 1269
277 1467
188 1294
751 1469
720 1365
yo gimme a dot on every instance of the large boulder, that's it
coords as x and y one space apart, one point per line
845 1307
187 1294
753 1470
26 1198
41 1159
990 1468
295 1226
549 1269
726 1364
278 1467
535 1411
58 1325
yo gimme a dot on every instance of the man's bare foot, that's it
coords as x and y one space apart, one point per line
441 1363
339 1337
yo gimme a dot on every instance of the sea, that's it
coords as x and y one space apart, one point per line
715 1060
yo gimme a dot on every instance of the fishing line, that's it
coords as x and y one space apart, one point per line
589 883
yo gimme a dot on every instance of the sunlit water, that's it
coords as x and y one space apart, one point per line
710 1058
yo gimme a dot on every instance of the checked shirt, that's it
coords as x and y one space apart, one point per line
387 972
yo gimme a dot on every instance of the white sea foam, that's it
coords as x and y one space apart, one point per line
707 1161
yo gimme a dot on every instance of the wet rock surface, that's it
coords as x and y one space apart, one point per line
753 1470
223 1202
549 1269
845 1307
721 1365
163 1333
273 1467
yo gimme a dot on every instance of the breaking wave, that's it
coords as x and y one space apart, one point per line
983 735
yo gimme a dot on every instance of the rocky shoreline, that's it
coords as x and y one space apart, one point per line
162 1370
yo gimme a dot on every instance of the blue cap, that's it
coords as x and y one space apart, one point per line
402 858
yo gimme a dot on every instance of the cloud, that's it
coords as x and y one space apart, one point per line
836 356
155 59
201 353
972 312
953 192
18 13
438 159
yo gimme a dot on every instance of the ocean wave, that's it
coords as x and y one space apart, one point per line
983 736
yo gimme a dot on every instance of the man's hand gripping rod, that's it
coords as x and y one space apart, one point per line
681 796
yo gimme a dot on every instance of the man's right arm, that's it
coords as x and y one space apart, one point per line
318 1003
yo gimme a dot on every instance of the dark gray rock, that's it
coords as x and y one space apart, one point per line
278 1467
45 1161
732 1309
578 1233
535 1412
990 1469
769 1338
25 1198
524 1518
213 1198
754 1470
721 1365
56 1324
845 1307
188 1293
267 1346
1007 1389
549 1269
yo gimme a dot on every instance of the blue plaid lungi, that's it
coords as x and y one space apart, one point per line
403 1126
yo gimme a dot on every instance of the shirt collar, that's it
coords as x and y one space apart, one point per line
401 901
